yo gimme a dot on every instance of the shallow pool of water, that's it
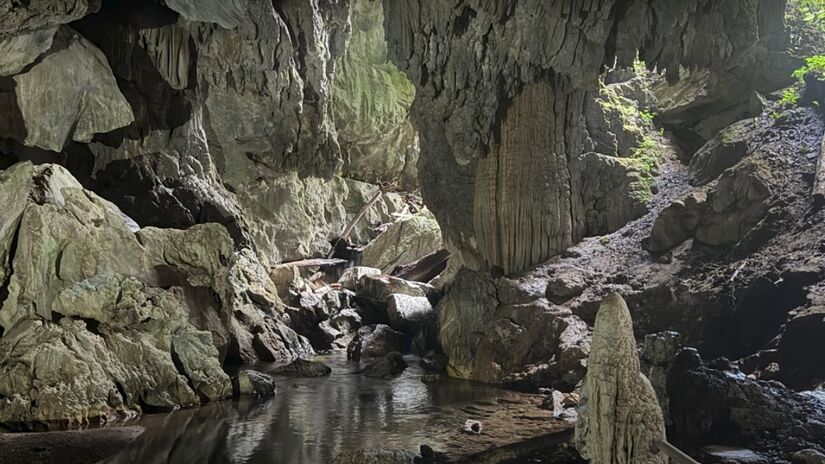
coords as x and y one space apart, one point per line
310 420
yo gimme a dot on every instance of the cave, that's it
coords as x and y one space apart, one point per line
412 231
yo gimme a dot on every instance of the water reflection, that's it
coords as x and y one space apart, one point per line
309 420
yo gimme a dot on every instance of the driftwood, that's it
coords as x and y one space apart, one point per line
425 269
819 180
348 230
319 262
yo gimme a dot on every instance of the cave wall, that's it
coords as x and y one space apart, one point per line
500 87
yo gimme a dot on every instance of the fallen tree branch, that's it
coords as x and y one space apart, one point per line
351 225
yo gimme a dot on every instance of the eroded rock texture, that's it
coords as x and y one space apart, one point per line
499 102
102 318
620 418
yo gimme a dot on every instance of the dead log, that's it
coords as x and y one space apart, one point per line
425 269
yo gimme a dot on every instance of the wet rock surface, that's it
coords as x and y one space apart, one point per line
725 407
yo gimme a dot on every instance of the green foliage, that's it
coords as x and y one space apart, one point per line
790 96
813 64
805 20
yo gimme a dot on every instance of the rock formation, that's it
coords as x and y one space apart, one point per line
620 419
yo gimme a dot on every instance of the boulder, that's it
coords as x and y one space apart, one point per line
725 407
676 223
565 283
389 366
724 150
376 341
253 383
17 52
506 331
403 242
303 368
434 363
808 456
351 276
99 318
408 313
48 113
739 201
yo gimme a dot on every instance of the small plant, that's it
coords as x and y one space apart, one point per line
813 64
790 96
647 116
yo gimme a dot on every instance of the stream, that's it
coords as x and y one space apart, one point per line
310 420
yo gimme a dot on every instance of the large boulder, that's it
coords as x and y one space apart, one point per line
741 198
100 318
376 341
506 331
47 113
303 368
724 407
403 242
677 222
725 149
409 312
386 367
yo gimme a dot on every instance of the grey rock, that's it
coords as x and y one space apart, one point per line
405 241
808 456
228 14
566 282
740 200
17 52
376 341
677 222
303 368
52 112
409 312
492 333
121 320
253 383
389 366
349 279
21 17
724 150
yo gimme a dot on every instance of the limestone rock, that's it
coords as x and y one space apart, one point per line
404 242
351 276
303 368
619 419
17 52
766 418
50 112
42 14
376 341
253 383
386 367
377 289
498 331
99 320
228 14
566 282
677 222
740 200
613 122
724 150
371 102
409 312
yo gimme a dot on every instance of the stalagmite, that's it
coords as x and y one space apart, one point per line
620 419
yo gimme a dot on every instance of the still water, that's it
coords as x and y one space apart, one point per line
310 421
